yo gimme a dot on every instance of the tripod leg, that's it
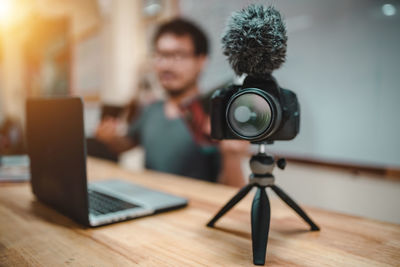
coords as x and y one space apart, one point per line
241 194
295 207
260 219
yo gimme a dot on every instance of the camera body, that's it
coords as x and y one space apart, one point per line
257 111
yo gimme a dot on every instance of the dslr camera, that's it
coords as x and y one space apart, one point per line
258 111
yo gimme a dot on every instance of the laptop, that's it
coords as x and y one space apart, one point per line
57 151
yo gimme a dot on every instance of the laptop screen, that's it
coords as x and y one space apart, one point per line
56 147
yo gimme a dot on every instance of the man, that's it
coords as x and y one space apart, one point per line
181 50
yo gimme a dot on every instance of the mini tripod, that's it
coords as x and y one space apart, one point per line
261 166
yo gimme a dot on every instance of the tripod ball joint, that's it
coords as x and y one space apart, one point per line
261 164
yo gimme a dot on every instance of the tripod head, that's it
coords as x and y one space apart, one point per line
262 165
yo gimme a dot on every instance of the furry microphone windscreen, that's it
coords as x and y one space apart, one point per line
255 41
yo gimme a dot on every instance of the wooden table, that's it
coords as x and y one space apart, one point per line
34 234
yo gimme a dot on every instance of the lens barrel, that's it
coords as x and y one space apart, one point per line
253 114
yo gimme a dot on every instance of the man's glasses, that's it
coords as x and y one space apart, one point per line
178 56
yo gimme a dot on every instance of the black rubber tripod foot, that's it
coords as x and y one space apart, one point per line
290 202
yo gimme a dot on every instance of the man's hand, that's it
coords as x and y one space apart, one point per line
109 134
234 147
233 152
107 130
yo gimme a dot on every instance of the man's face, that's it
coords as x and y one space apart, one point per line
176 64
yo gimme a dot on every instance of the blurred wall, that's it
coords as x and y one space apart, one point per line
111 61
343 62
122 34
16 31
12 75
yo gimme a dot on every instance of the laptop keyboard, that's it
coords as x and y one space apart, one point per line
103 204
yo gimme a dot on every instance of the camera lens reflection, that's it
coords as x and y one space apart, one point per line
249 115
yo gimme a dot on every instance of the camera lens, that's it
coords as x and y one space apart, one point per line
249 115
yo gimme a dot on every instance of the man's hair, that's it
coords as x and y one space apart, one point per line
181 27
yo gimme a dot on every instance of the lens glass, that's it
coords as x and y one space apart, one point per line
249 115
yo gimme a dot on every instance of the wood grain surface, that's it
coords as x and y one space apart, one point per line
33 234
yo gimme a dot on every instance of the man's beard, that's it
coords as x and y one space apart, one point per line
176 93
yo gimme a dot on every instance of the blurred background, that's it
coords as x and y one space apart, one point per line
342 61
